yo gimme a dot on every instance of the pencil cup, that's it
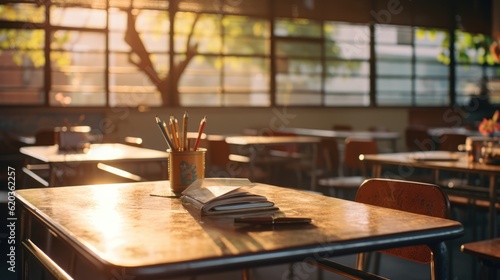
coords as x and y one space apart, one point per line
185 167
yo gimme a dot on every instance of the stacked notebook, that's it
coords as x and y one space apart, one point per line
213 196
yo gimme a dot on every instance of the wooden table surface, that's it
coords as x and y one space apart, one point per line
97 152
121 226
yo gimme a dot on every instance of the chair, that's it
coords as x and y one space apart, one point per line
451 141
221 162
341 127
352 173
415 197
327 161
417 138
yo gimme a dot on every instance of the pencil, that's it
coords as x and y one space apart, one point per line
175 133
185 141
200 132
169 136
163 132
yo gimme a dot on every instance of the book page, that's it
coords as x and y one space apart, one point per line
208 189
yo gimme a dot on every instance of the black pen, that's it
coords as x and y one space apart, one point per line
268 220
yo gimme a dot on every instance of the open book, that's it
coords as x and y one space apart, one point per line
213 196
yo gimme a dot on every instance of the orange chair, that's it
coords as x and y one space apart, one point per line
221 162
417 138
415 197
451 141
352 174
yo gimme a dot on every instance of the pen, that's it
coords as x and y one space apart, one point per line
200 132
268 220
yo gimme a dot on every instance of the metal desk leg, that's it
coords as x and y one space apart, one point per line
492 211
441 265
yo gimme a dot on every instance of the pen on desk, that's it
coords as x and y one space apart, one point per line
200 132
269 220
163 132
185 141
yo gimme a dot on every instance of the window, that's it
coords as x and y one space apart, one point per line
473 64
347 55
227 54
22 57
408 73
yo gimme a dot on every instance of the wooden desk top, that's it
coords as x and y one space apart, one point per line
377 135
485 249
460 164
270 140
97 152
122 225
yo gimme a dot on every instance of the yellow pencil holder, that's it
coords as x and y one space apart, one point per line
185 167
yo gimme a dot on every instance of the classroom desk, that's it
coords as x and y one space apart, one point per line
253 146
390 136
95 232
407 161
97 153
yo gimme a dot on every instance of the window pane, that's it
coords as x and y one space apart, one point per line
22 12
297 28
246 74
78 69
302 49
22 61
78 17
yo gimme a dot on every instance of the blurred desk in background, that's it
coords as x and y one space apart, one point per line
437 161
104 156
341 135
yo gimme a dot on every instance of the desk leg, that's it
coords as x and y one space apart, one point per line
493 210
441 265
314 157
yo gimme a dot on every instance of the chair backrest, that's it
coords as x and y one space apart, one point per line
328 155
341 127
451 141
415 197
218 152
355 147
417 138
46 137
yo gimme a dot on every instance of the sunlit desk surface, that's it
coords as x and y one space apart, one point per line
108 152
460 165
121 229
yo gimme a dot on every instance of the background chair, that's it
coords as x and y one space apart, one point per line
451 141
221 162
415 197
342 127
417 138
353 173
327 162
